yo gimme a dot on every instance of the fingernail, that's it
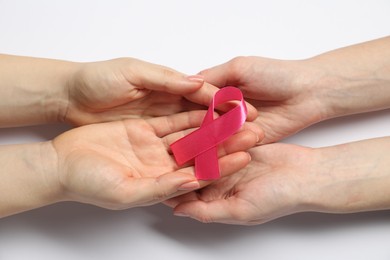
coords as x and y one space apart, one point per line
180 214
196 78
249 156
189 186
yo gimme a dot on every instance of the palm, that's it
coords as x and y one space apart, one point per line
105 155
260 192
127 163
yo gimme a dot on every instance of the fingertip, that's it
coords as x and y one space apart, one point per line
258 133
252 138
196 78
234 162
249 158
255 129
260 137
193 84
252 112
189 186
180 214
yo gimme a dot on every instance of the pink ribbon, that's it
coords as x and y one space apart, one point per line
202 143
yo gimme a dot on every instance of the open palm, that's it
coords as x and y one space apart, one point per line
268 188
127 163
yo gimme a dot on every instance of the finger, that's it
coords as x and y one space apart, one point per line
241 141
228 165
245 139
248 136
148 191
233 162
205 94
255 128
166 125
160 78
219 75
173 137
173 202
252 112
207 212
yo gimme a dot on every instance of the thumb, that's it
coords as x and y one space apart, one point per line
148 191
156 77
221 75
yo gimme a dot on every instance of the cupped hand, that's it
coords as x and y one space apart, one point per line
129 88
127 163
271 186
282 91
283 179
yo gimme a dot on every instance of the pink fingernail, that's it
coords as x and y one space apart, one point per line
189 186
197 78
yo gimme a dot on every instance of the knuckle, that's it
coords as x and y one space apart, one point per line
168 75
237 66
237 63
160 193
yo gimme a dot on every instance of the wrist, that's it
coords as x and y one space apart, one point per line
48 168
330 88
57 100
33 90
305 82
349 177
28 177
353 79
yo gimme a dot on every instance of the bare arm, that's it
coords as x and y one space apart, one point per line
291 95
37 91
27 177
33 90
115 165
283 179
354 79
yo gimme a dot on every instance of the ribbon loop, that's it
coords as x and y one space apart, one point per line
202 143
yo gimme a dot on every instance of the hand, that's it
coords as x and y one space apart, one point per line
129 88
291 95
283 179
268 188
127 163
280 90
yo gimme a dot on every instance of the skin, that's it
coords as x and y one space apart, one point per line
291 95
39 91
284 179
115 165
120 156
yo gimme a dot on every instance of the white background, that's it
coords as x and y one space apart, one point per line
190 36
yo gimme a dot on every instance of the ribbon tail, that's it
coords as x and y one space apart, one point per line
206 165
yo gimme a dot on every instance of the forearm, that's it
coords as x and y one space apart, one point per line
350 177
353 79
27 177
33 90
